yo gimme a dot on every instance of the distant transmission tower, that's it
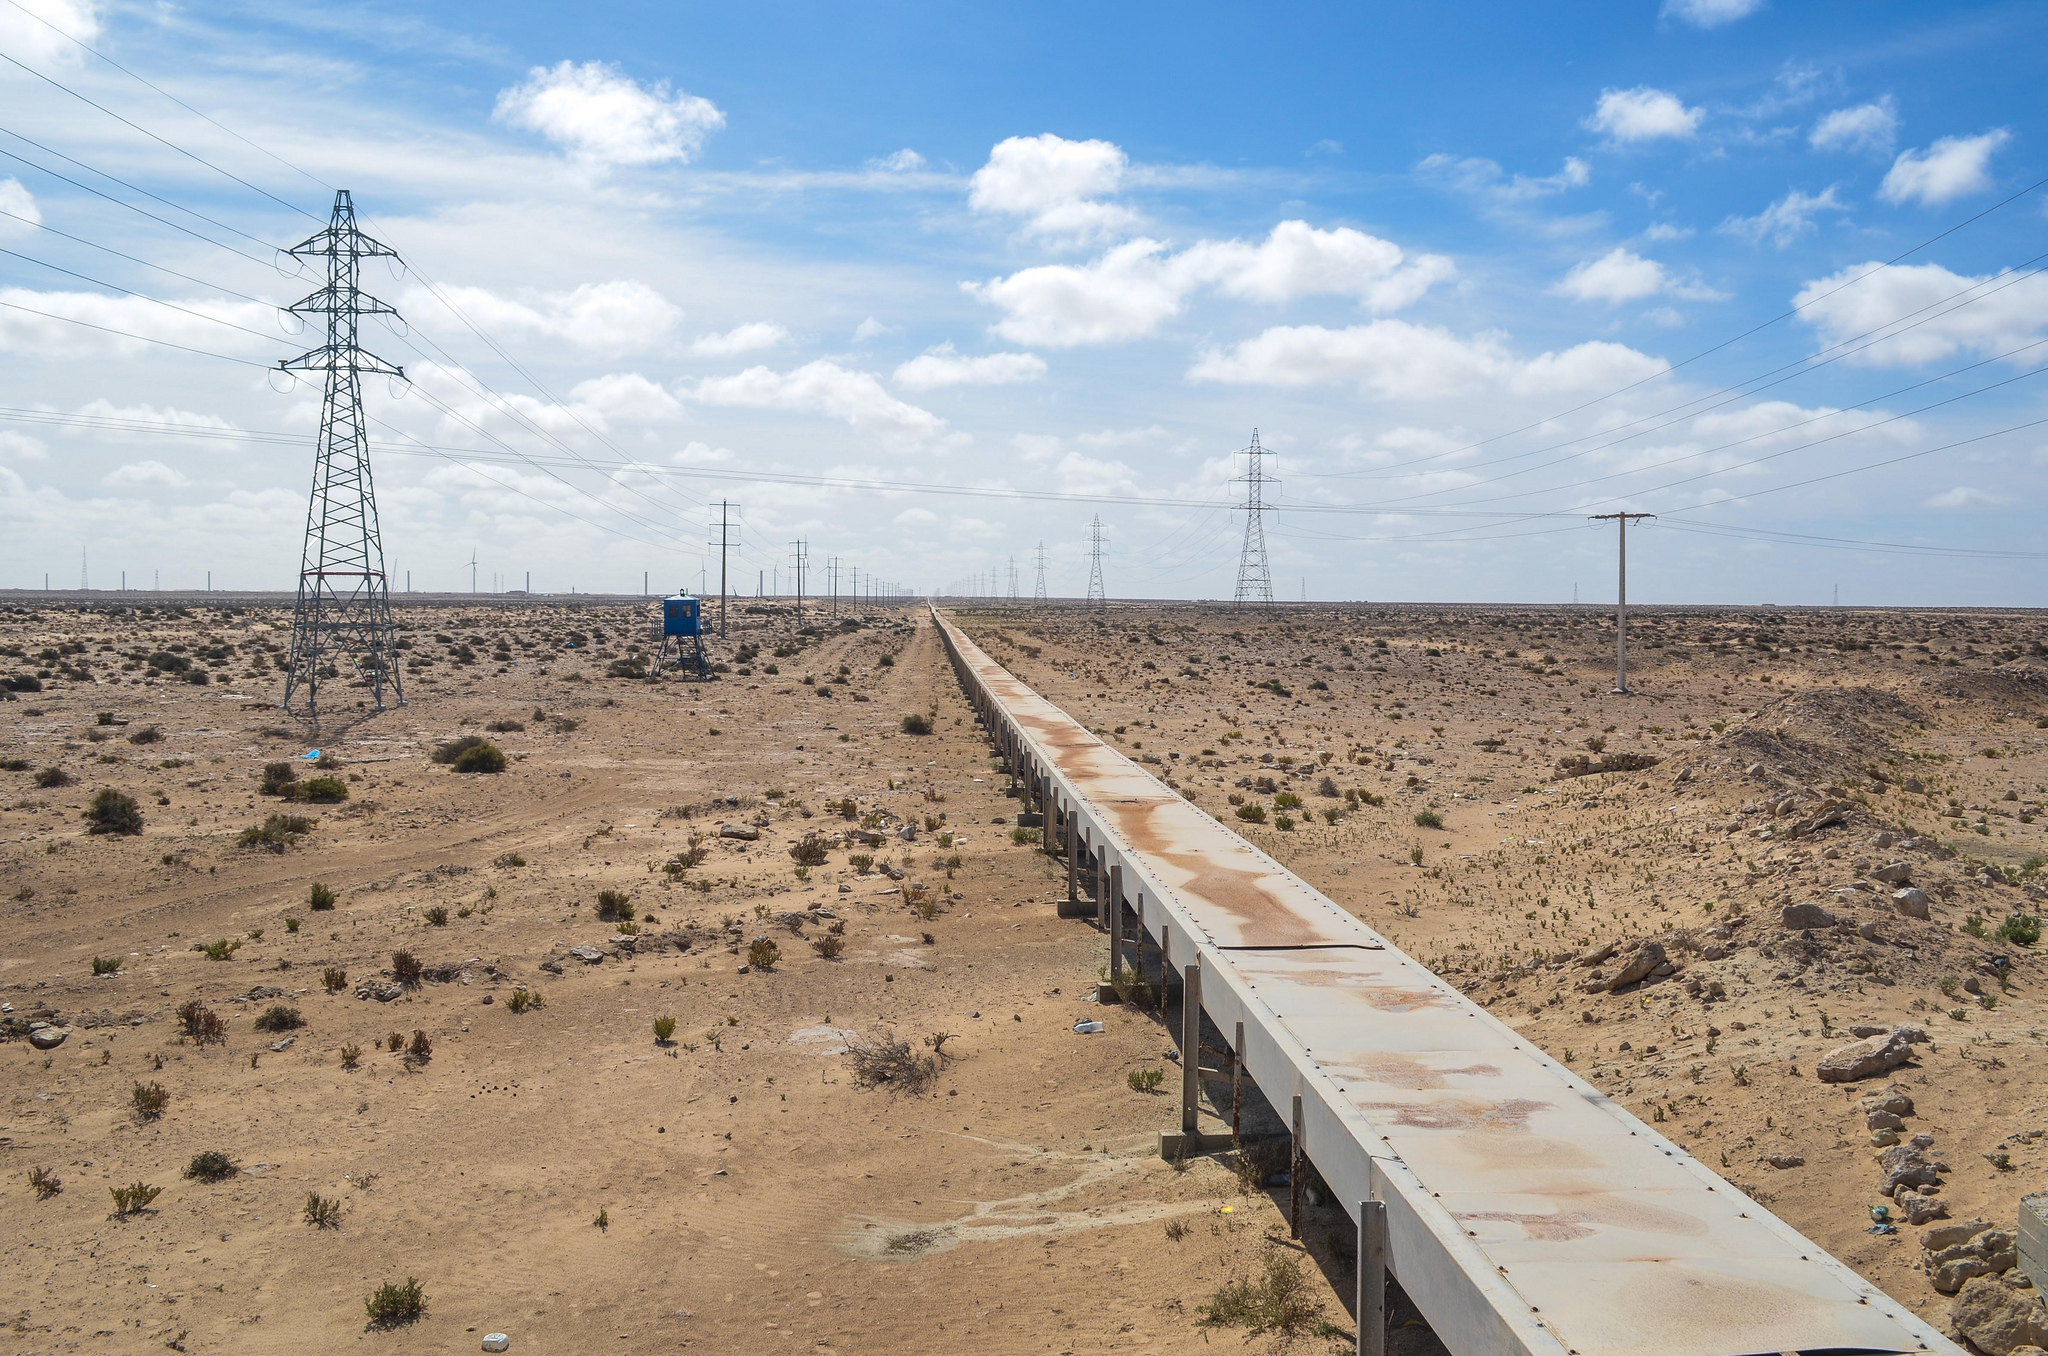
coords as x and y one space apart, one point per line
1096 594
344 605
1039 595
1013 579
1254 579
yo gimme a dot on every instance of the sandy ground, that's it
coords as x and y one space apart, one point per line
754 1194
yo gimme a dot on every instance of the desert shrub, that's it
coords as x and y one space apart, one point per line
14 764
276 832
334 979
280 1017
394 1042
482 758
392 1304
762 953
2021 929
861 862
810 850
406 967
1145 1080
106 965
148 734
320 898
508 860
221 949
321 791
1287 800
44 1183
437 916
211 1166
448 751
277 777
829 946
149 1100
1280 1300
524 1000
1428 819
1327 787
50 778
614 905
113 811
1254 813
322 1212
291 924
351 1055
23 682
133 1197
1021 836
664 1028
506 726
201 1023
419 1049
915 724
888 1059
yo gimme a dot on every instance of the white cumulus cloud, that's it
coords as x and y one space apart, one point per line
1643 114
611 316
625 395
2003 312
1710 13
904 161
1128 291
41 323
1966 497
824 387
1623 275
599 114
748 338
1785 220
1399 360
1485 179
22 214
38 33
941 366
143 475
1953 167
1056 185
1866 127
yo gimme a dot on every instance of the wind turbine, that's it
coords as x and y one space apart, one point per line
472 569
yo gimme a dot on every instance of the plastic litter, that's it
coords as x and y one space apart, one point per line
1092 1027
310 754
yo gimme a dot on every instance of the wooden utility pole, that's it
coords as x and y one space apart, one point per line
1621 521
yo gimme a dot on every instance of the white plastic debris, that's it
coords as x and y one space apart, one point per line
497 1341
1091 1027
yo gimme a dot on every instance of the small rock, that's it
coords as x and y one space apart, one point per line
1861 1030
1911 901
1913 785
1883 840
383 990
1883 1120
279 1047
1803 916
1894 1099
1898 873
1883 1139
497 1341
743 832
1915 1208
589 955
47 1037
1593 955
1645 959
1972 986
1786 1161
1906 1165
2010 795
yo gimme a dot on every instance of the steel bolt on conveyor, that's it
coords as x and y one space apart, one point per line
1520 1208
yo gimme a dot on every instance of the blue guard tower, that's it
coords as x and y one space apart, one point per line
682 633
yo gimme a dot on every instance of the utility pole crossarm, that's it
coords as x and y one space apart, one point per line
1621 521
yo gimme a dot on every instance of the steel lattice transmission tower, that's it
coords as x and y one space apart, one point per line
344 605
1039 595
1096 593
1254 579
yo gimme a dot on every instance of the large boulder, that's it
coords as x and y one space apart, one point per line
1911 901
1640 964
1897 873
1908 1165
1999 1318
1867 1058
1804 916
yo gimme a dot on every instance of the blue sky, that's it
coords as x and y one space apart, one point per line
1472 272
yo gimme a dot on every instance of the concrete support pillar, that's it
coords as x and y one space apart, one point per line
1110 911
1164 930
1073 858
1190 1042
1237 1089
1048 813
1371 1306
1296 1161
1116 932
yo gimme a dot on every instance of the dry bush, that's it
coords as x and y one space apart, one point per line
320 898
149 1101
829 946
114 812
280 1017
134 1197
322 1212
614 906
351 1055
44 1183
334 979
201 1024
419 1049
810 850
664 1029
1279 1300
211 1166
276 832
888 1059
523 1000
392 1304
763 953
406 968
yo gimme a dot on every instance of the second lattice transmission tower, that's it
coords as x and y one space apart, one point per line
343 614
1096 593
1254 578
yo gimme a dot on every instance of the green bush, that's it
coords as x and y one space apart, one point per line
1254 813
276 832
1145 1080
1279 1301
222 949
149 1100
321 790
914 724
320 898
451 750
280 1017
106 965
211 1166
393 1304
277 777
483 757
1287 800
113 811
129 1199
2021 929
614 906
1428 819
664 1028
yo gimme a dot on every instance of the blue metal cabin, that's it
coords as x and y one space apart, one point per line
682 633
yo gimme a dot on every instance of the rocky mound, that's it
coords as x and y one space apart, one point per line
1821 736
